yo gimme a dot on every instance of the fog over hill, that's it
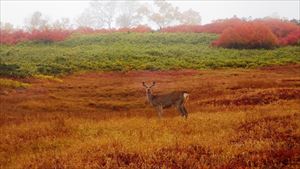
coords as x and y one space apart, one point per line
16 12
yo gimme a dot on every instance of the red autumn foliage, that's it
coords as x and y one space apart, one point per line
235 33
260 33
183 28
292 38
220 25
138 29
238 33
46 35
11 38
279 27
88 30
49 35
216 27
247 35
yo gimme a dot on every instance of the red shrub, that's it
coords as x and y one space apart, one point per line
220 25
88 30
141 29
260 33
138 29
286 32
216 27
124 30
11 38
84 30
247 35
279 27
292 38
49 35
182 28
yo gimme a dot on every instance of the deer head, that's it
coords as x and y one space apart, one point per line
148 91
148 88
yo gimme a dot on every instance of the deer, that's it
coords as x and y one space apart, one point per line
159 102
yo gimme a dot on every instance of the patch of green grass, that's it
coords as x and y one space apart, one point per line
137 51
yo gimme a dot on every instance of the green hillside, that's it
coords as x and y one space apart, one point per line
134 51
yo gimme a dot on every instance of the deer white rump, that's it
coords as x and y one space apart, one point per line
176 98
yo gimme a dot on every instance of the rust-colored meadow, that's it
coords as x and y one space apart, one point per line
239 118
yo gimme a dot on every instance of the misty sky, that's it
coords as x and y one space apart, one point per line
15 12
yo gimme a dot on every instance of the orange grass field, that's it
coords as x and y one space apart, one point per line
239 118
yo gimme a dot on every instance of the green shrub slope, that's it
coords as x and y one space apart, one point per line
134 51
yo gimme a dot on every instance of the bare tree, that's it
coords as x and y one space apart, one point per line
295 21
165 14
36 21
103 12
190 17
85 20
131 14
63 23
7 27
106 14
100 14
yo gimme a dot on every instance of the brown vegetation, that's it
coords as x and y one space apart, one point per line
238 119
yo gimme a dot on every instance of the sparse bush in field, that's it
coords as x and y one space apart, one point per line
8 83
247 36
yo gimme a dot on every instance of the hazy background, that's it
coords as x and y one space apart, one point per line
15 11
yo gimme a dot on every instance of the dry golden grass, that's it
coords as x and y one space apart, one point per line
11 84
239 119
47 77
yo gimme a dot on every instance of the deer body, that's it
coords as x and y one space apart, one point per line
176 99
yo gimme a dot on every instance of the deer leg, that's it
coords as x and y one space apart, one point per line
159 110
180 110
184 110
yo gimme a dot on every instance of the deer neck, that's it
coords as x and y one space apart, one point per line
150 97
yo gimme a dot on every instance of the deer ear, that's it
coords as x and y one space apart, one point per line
144 84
